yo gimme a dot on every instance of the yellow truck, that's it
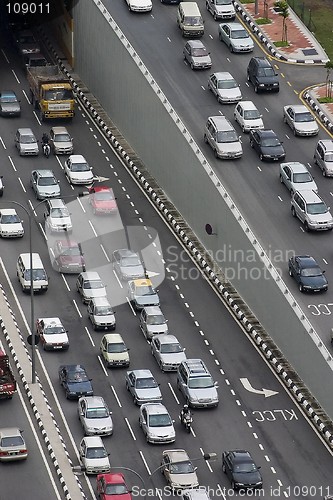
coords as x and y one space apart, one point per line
51 92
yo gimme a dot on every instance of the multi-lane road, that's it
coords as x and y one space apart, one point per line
294 460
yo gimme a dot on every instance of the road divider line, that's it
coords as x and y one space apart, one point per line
129 303
66 284
102 365
119 282
144 462
93 229
130 428
116 396
22 185
221 491
89 336
15 76
76 307
105 254
173 393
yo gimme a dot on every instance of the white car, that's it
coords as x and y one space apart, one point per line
167 351
224 87
300 120
139 5
156 423
10 224
93 455
296 177
247 116
52 333
78 171
90 286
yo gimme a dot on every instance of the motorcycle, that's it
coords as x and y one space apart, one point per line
186 420
46 149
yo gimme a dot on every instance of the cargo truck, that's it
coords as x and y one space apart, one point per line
51 92
7 379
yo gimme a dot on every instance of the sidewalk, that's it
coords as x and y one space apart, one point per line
303 47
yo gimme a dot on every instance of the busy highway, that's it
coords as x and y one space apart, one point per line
280 439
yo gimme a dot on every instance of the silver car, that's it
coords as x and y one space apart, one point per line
95 416
128 265
235 36
143 387
44 184
224 87
101 314
168 352
93 455
323 157
178 470
152 322
26 142
300 120
296 177
196 54
156 423
61 141
89 285
12 445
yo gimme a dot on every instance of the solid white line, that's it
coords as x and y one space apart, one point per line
76 307
173 393
130 429
102 365
66 284
116 396
144 461
90 337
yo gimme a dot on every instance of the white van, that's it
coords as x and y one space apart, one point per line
189 19
23 271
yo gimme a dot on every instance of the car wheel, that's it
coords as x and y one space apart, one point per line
147 438
295 133
306 227
161 366
192 66
178 385
251 143
231 48
281 179
67 395
127 387
215 153
293 211
301 288
233 485
248 77
284 119
135 401
323 172
140 423
290 273
205 139
215 17
256 89
220 37
243 129
261 157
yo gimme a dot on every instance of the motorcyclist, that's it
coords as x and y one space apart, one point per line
185 413
45 139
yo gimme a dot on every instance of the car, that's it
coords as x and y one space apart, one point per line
323 157
139 5
89 285
128 265
67 257
9 103
113 351
221 9
267 144
95 416
168 352
10 224
75 381
247 116
196 384
156 423
141 294
152 322
102 200
61 141
93 455
300 120
224 87
262 75
196 494
222 138
44 184
143 387
112 486
236 37
241 470
295 176
78 171
178 470
52 334
57 217
36 60
101 314
311 210
307 273
196 54
26 42
12 444
25 142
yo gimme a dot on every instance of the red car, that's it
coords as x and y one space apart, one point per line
112 486
102 200
68 257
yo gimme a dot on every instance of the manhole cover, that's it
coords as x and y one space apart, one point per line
309 52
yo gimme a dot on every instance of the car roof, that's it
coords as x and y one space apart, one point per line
142 282
152 310
56 203
309 196
90 276
299 108
167 339
92 441
9 93
155 408
25 131
8 211
125 252
234 26
242 455
44 173
295 166
262 61
112 477
177 455
98 189
10 431
113 338
59 130
100 301
49 321
224 75
266 133
68 243
94 401
197 44
221 122
247 105
77 159
306 261
142 373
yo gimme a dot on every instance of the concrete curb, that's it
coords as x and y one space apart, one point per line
32 402
313 103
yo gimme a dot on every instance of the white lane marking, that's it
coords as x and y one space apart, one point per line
227 381
119 282
325 261
206 461
116 396
3 144
80 202
90 337
249 424
15 76
76 307
105 254
238 403
193 433
232 392
211 352
22 185
102 365
36 116
206 342
273 470
221 491
129 303
144 461
93 229
5 56
196 323
279 482
255 435
267 458
66 284
173 393
279 198
259 168
58 160
217 362
32 208
261 447
130 429
25 95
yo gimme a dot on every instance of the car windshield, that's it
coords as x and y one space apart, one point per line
304 117
54 329
116 489
9 441
227 84
10 219
27 139
266 72
237 34
251 114
270 142
223 2
62 138
328 157
199 52
104 195
146 383
103 310
27 39
8 98
120 347
38 275
96 453
58 95
160 420
171 348
47 181
93 285
245 467
97 413
200 382
130 261
193 21
181 468
77 376
80 167
303 177
59 213
314 271
229 136
143 291
157 319
71 251
317 208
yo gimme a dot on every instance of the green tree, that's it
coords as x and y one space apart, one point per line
283 9
329 67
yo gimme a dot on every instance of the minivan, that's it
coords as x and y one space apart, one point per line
23 271
196 384
311 210
222 138
26 142
189 19
323 157
262 75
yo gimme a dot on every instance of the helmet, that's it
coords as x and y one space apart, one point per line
185 407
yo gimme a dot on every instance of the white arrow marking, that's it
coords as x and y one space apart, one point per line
152 274
98 178
265 392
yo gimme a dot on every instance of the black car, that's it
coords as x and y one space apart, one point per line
75 381
240 468
267 144
9 103
262 75
307 273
